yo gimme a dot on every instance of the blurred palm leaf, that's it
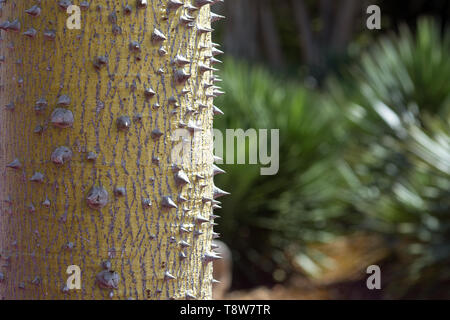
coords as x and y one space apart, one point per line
263 216
398 169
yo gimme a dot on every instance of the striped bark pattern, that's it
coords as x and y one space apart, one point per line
86 174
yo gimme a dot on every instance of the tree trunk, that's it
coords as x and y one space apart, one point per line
86 132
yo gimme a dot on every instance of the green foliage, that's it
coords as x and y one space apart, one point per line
263 217
370 153
398 168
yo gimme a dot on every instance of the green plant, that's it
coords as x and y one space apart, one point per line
397 160
369 154
261 220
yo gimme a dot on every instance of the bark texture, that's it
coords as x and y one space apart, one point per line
86 174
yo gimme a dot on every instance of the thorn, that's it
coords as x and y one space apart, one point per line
216 17
181 76
218 93
186 19
210 256
168 276
156 134
62 118
168 202
158 36
185 92
202 106
50 34
190 7
30 33
215 235
10 106
217 170
8 200
184 244
15 164
91 156
34 11
46 203
200 220
63 100
214 60
123 123
127 9
13 26
174 4
192 127
216 52
217 111
31 208
108 279
180 61
206 199
5 25
183 229
147 203
215 281
162 51
217 192
202 30
190 296
106 265
84 5
181 178
203 68
69 246
64 4
135 46
37 177
201 3
141 4
199 176
149 92
97 198
198 233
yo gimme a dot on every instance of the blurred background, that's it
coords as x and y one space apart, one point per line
364 148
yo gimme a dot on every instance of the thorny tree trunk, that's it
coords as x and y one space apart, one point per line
86 176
